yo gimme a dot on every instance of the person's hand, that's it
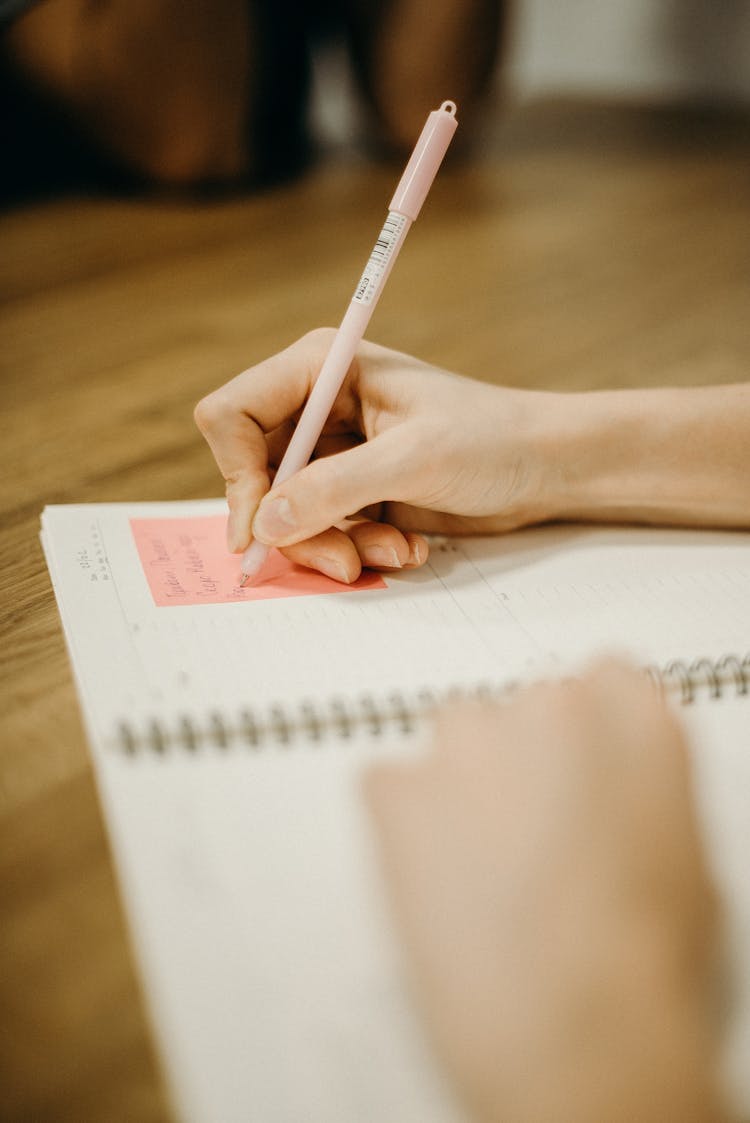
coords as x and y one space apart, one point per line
548 881
416 448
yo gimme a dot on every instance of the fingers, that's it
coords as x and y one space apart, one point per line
332 553
235 419
342 554
381 546
331 489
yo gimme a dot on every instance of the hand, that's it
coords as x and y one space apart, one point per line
414 447
547 877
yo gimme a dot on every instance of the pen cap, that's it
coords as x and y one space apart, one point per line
425 161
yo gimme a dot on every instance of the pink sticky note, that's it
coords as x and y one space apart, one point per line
185 561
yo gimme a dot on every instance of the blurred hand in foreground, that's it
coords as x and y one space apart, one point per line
545 867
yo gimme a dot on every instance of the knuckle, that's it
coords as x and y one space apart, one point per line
209 411
232 481
319 337
327 479
315 346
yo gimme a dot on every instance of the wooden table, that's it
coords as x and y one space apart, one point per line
585 247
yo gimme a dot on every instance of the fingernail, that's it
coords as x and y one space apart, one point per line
274 520
415 554
232 536
331 568
381 555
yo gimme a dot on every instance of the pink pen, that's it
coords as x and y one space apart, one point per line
404 207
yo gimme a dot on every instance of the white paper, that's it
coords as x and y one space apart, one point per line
273 979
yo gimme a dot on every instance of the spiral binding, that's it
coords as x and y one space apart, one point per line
309 723
714 677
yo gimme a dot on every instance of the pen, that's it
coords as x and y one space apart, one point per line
402 211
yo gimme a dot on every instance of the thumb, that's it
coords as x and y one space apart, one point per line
331 489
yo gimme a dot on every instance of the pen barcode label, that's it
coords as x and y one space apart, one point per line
382 252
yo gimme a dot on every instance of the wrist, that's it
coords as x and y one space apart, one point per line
656 456
604 457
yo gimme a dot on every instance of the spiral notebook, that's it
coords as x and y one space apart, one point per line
229 730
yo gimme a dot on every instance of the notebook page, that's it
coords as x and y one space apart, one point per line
655 594
272 975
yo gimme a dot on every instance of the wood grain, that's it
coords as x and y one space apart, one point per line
585 246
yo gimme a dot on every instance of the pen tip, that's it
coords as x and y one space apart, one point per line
252 564
251 578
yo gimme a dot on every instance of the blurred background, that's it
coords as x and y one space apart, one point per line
696 51
157 89
692 49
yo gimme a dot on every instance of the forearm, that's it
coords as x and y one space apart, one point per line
676 456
